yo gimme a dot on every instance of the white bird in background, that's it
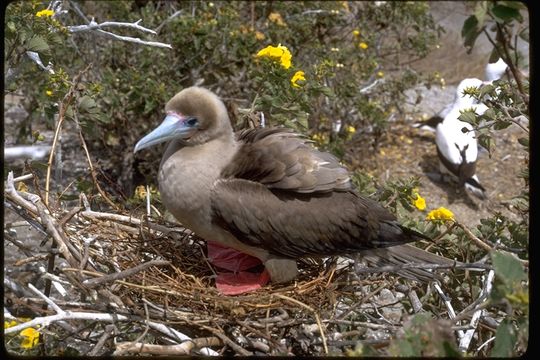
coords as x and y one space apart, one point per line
493 71
457 146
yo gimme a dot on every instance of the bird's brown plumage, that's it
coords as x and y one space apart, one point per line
268 192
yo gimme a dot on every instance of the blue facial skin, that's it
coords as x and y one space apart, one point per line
174 126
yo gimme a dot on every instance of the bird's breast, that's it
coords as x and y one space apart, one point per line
186 178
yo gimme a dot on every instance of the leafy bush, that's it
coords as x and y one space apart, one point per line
341 48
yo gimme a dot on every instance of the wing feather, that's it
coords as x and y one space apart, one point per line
281 159
293 224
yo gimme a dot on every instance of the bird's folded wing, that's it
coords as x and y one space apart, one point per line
292 224
281 159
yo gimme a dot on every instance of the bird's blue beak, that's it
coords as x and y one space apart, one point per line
174 126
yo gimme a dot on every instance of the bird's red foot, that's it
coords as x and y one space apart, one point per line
237 280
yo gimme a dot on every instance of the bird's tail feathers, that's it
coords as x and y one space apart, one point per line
413 234
403 255
473 185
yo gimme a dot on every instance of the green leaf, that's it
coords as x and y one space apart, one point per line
494 56
69 112
507 267
524 35
480 12
501 125
39 165
37 44
468 117
470 31
86 103
524 142
486 142
505 13
486 89
11 26
84 185
505 338
489 114
68 197
512 4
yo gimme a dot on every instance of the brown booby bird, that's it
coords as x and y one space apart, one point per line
268 193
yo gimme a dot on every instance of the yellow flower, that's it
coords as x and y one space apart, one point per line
350 129
440 214
298 76
46 13
320 138
419 202
279 53
140 192
49 92
31 336
243 29
259 35
8 324
21 187
275 17
363 45
380 74
356 33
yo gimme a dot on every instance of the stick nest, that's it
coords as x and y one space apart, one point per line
155 273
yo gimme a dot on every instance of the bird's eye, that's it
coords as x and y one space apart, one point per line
192 121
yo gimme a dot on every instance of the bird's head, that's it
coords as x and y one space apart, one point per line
495 71
463 100
195 115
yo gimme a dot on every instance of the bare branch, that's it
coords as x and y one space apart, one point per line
92 283
465 340
319 324
95 26
131 220
367 89
14 195
184 348
112 318
109 331
132 39
34 152
66 101
427 266
47 300
177 13
34 56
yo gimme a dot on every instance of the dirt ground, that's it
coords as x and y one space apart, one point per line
406 151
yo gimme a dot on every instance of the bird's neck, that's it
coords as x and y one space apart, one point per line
187 175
